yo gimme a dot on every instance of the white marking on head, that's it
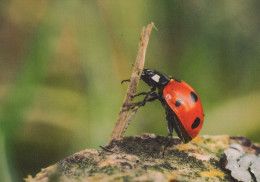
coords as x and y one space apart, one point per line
156 78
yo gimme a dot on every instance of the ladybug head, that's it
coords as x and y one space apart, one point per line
154 78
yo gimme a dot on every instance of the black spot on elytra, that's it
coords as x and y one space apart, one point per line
194 97
196 123
178 103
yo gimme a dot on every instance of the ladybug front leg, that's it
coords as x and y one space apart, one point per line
152 97
142 93
123 81
150 92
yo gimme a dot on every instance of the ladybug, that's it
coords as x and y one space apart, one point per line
183 108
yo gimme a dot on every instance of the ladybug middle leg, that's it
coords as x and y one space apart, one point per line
146 99
149 93
150 96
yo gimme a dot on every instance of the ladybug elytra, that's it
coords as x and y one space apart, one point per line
182 105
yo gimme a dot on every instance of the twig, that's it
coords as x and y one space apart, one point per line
130 117
122 121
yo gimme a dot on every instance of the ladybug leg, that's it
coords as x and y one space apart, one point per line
150 96
146 99
170 124
123 81
167 145
142 93
150 92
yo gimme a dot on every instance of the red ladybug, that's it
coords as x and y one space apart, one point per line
183 107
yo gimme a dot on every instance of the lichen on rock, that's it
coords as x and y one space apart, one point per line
139 158
243 166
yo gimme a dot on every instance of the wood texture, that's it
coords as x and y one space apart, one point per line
122 122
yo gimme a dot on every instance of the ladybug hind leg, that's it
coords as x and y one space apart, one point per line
174 123
170 122
170 118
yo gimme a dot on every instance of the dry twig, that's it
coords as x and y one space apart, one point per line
122 121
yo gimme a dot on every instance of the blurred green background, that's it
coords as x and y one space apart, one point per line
61 63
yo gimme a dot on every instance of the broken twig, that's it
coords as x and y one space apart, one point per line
122 121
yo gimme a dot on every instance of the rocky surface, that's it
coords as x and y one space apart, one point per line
139 158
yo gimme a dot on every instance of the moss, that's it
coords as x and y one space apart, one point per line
167 165
132 148
221 155
139 173
54 177
124 178
153 167
207 140
160 167
142 148
219 152
228 178
75 161
197 174
108 170
174 180
203 148
103 154
92 171
183 158
207 179
214 163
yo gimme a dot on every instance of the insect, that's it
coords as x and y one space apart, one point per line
183 108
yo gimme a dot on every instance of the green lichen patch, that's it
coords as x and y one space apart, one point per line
125 178
159 167
75 165
109 170
54 176
214 162
207 140
181 157
167 165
